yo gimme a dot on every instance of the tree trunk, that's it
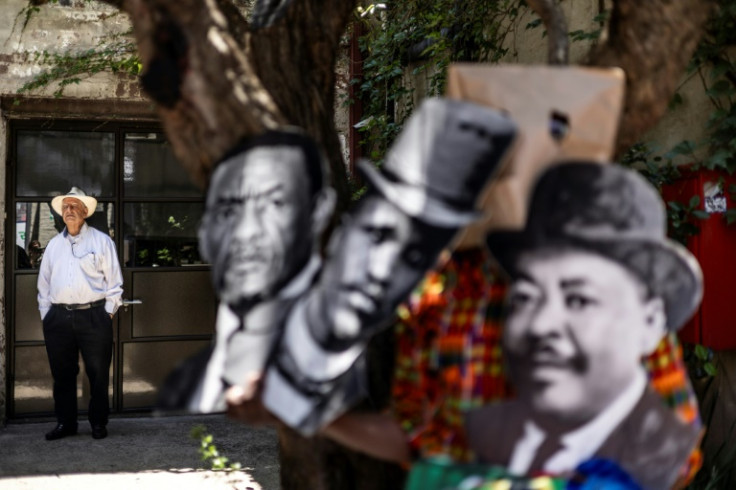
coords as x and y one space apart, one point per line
653 43
295 60
215 82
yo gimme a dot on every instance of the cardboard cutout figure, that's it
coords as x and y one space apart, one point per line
595 286
562 113
267 205
425 191
267 12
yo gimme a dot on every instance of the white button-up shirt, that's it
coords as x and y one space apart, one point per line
80 269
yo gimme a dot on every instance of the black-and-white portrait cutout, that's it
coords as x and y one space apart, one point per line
595 286
267 205
425 191
267 12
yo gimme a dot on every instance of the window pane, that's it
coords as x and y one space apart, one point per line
151 170
51 162
31 383
161 234
36 224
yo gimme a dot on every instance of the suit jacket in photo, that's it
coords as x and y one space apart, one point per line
651 444
242 345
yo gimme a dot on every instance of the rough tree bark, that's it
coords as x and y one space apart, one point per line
653 43
215 82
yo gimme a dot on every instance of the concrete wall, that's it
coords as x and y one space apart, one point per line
65 27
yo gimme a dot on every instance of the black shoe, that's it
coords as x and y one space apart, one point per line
99 432
60 431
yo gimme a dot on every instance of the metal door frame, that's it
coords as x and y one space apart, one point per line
119 128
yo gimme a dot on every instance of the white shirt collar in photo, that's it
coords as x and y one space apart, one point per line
209 394
78 236
580 444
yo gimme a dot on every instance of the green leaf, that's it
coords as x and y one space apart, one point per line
719 159
577 35
700 214
533 24
710 369
602 17
701 352
685 147
676 101
675 205
720 68
720 88
730 216
694 202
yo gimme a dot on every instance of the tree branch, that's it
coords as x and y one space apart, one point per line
558 46
215 81
207 94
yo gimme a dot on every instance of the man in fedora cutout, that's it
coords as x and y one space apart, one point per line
595 286
425 191
80 288
267 205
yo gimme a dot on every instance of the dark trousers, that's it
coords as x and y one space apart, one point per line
67 333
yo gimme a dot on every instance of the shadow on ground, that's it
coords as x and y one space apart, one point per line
146 445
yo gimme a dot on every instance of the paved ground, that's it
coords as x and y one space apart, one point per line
141 453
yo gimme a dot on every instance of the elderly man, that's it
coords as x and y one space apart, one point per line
595 287
267 205
79 290
425 191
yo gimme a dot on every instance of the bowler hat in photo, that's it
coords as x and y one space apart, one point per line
76 193
614 212
442 160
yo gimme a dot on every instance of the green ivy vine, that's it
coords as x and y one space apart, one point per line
114 53
406 39
209 452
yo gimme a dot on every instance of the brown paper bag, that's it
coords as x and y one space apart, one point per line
562 113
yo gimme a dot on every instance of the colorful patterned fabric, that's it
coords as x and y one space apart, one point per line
668 375
449 353
442 474
449 358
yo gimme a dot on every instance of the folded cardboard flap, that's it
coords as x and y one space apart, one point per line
562 112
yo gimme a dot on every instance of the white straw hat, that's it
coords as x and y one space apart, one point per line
76 193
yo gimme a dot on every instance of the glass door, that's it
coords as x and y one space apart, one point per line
151 210
172 307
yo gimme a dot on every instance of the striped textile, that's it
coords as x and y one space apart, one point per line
449 353
449 358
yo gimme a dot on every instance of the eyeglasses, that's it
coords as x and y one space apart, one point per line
73 206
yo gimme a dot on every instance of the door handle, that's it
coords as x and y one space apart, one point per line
130 302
